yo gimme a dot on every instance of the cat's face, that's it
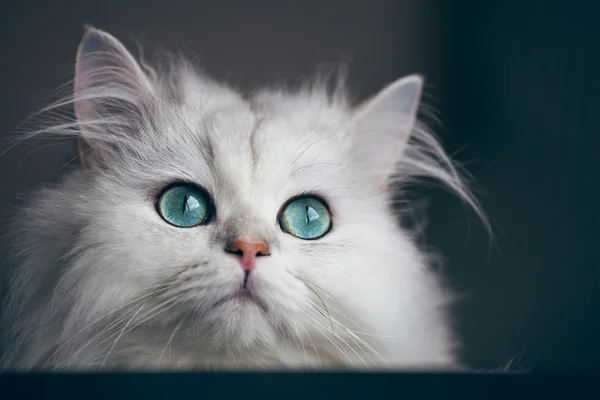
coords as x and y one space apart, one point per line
299 180
244 179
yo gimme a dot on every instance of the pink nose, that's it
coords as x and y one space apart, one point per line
248 249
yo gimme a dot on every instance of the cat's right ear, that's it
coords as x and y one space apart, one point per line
383 126
110 95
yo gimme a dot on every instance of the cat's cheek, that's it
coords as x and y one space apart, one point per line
145 240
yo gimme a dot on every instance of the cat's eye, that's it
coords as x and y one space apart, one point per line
184 205
305 217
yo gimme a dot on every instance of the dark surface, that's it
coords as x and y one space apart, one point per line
516 83
298 386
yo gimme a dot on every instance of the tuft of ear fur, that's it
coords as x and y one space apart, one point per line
383 125
111 93
390 144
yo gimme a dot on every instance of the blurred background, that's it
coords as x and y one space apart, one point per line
516 84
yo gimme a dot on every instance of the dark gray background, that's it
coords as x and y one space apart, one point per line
515 82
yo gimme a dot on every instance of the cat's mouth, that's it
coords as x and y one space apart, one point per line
243 297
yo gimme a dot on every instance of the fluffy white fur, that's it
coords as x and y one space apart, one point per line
102 282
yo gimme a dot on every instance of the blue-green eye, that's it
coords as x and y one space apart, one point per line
184 206
306 217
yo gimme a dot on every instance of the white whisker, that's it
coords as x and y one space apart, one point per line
121 334
342 352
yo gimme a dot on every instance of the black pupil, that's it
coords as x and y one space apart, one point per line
307 217
186 206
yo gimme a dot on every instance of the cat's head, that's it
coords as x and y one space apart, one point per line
244 221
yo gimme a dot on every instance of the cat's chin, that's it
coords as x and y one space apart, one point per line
242 298
241 320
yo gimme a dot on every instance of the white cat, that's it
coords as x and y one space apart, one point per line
206 230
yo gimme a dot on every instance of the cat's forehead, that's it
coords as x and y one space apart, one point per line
247 153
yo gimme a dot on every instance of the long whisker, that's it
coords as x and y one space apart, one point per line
149 315
344 329
322 302
121 334
168 344
312 284
159 288
310 321
90 341
360 342
97 320
341 339
357 339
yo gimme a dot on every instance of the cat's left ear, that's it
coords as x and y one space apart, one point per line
382 126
